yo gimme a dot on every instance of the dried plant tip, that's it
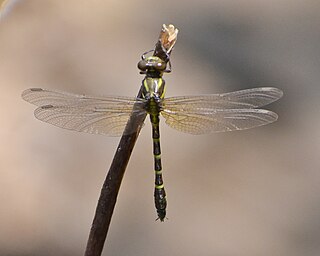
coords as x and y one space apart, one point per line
168 37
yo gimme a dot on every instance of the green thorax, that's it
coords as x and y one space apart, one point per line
153 87
153 91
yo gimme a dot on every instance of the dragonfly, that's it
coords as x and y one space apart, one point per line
201 114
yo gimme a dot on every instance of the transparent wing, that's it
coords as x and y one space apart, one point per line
207 121
220 112
250 98
99 115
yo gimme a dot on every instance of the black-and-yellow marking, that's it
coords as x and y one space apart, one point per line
159 192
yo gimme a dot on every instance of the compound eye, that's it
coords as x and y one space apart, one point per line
142 65
161 66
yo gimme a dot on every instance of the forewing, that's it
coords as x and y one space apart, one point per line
42 97
244 99
98 115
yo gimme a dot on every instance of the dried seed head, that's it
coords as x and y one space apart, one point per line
168 37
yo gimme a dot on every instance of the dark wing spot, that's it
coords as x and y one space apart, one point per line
46 106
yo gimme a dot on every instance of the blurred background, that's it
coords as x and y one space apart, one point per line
246 193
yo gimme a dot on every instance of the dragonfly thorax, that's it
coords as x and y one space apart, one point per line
153 88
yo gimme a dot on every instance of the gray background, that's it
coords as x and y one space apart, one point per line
247 193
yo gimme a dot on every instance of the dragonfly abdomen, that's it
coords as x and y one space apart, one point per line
159 192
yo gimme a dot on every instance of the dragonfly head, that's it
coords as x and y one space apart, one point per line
151 65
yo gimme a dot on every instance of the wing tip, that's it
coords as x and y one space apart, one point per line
273 116
25 93
276 92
